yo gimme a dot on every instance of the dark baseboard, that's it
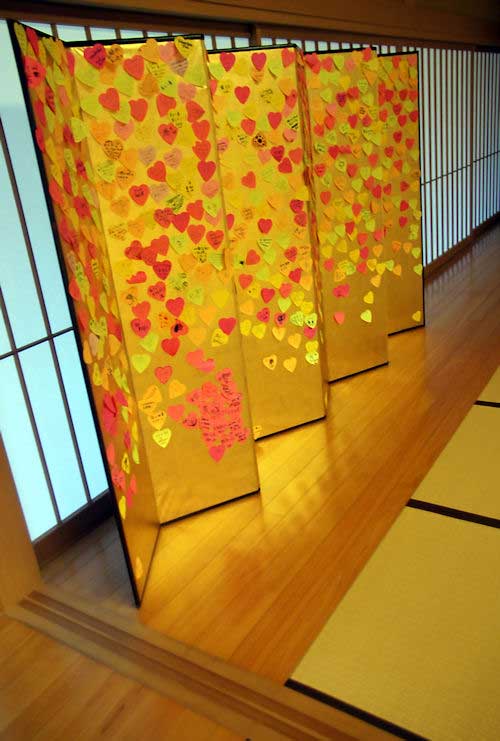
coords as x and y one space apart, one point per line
82 522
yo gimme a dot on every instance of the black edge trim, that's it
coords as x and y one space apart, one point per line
458 514
293 427
406 329
345 707
137 40
254 48
357 373
341 51
207 509
481 403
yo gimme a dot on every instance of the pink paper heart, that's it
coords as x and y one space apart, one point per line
124 130
264 155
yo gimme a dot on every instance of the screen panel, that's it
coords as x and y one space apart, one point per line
398 101
261 144
347 176
51 98
146 109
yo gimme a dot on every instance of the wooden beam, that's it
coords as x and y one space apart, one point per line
19 572
405 21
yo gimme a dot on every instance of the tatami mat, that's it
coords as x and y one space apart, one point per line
491 391
416 640
466 476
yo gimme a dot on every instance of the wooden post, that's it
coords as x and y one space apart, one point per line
19 572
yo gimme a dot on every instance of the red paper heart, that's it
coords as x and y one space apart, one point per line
206 169
244 280
287 56
176 411
295 275
227 324
139 277
134 66
248 126
162 268
157 291
274 119
291 254
110 99
139 194
215 238
227 59
175 305
249 180
168 132
263 315
201 129
242 93
217 452
285 165
138 109
95 55
196 232
171 345
163 373
265 225
164 216
165 103
195 209
278 152
194 111
140 326
267 294
252 257
180 221
202 149
158 171
258 60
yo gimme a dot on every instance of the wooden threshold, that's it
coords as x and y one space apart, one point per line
253 706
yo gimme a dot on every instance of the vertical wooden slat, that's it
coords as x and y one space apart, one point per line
88 34
472 143
441 72
434 187
462 84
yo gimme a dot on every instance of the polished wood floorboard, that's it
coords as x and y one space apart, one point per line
49 692
254 581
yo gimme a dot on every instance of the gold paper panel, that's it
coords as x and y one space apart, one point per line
401 205
147 120
262 143
347 177
71 196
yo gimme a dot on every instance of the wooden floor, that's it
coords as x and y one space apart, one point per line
253 582
50 692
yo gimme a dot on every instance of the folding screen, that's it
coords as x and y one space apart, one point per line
52 99
347 176
261 143
398 101
128 154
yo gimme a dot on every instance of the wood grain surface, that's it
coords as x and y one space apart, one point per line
253 582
